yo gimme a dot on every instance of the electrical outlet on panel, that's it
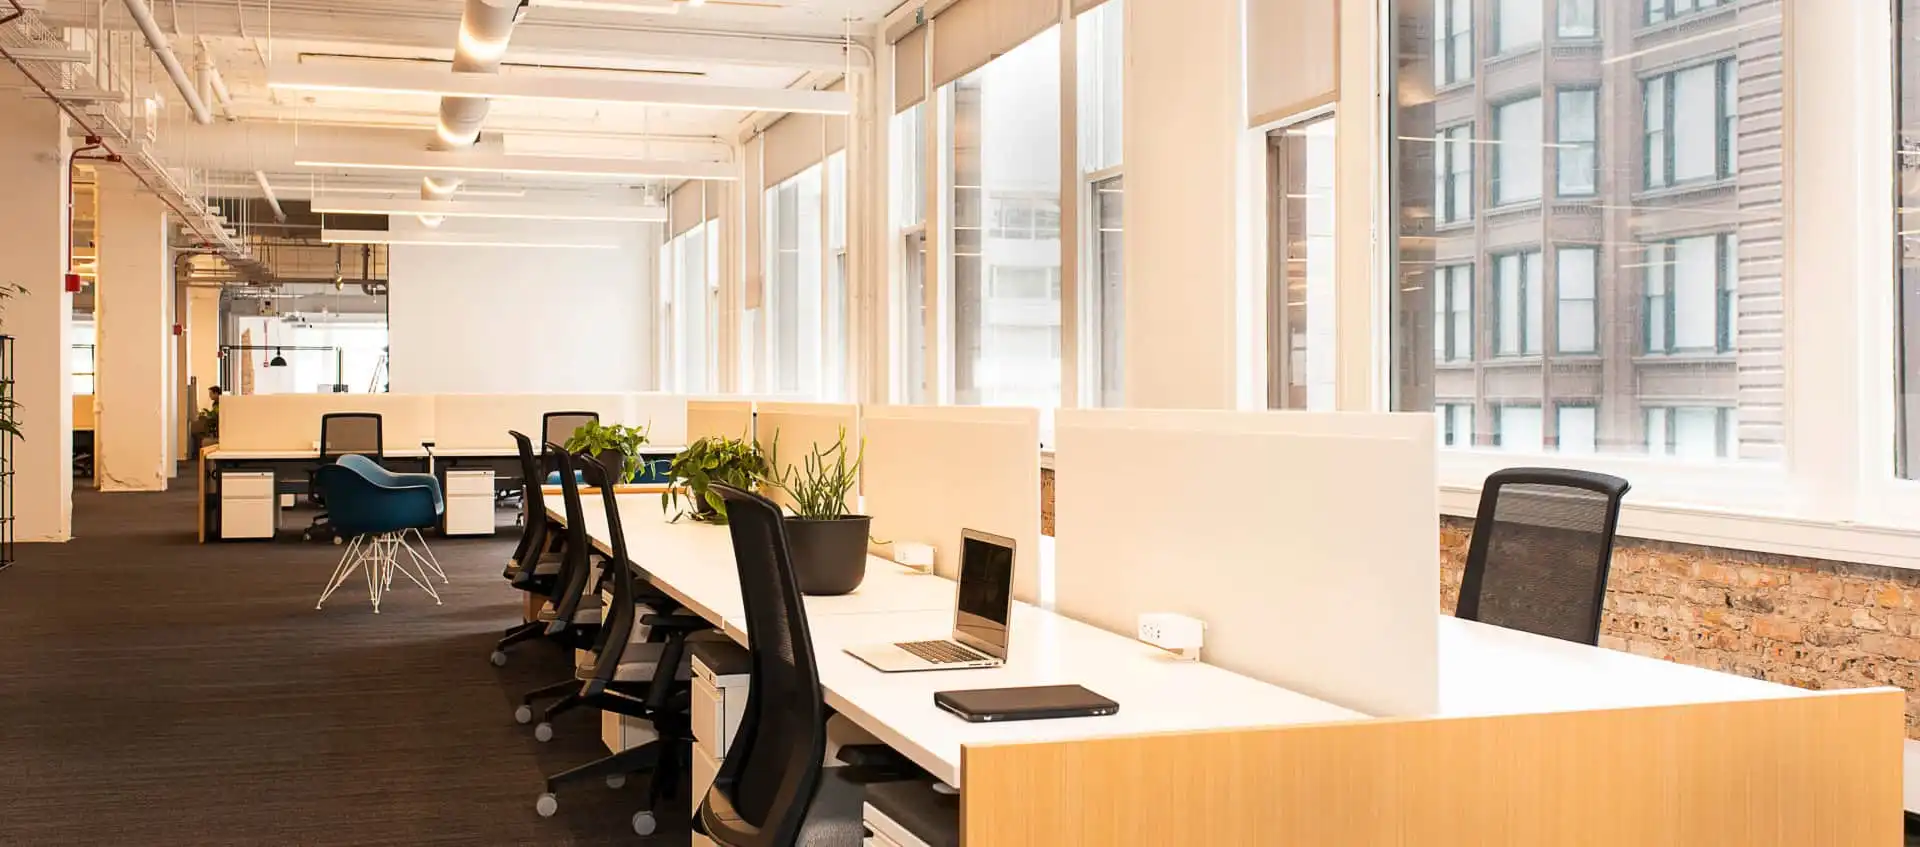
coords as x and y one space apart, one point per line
1176 634
914 556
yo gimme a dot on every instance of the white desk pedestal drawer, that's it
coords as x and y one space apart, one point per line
886 833
620 732
246 504
469 502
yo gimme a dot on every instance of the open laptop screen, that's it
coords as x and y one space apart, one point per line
986 593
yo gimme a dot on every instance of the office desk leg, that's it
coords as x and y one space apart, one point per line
200 490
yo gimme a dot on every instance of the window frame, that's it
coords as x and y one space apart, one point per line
1559 138
1725 295
1560 300
1725 123
1495 200
1446 139
1529 346
1446 51
1562 33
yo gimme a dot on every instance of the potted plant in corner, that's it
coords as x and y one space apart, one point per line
829 544
615 446
732 461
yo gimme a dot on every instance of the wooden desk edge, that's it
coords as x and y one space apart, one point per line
1818 769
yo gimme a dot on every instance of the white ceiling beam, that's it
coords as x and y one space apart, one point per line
554 32
443 82
458 239
470 162
324 203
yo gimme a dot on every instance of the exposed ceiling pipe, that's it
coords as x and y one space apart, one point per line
157 39
273 200
485 27
213 85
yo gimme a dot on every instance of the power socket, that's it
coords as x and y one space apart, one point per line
914 556
1174 633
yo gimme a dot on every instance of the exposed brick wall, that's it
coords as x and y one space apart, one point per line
1812 623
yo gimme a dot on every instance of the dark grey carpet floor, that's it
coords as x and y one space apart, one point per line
154 691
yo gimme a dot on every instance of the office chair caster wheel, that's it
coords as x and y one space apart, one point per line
618 780
644 823
546 805
543 733
337 541
499 660
523 715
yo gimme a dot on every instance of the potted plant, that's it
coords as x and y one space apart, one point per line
615 446
732 461
829 544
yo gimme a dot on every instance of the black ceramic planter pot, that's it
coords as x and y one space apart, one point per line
829 556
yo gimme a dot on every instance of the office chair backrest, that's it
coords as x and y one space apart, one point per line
533 541
773 768
557 427
1542 546
344 433
616 625
577 562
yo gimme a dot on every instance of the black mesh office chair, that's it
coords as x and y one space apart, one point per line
557 427
536 563
649 681
1542 546
342 434
771 790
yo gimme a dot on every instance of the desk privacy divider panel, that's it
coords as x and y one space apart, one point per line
292 421
1308 555
801 428
1818 768
483 420
664 416
932 471
719 419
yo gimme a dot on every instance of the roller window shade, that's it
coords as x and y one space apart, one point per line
793 144
751 192
1292 57
686 206
910 70
1080 6
970 33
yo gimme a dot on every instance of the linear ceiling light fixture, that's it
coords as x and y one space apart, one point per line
349 236
613 212
546 166
438 82
638 7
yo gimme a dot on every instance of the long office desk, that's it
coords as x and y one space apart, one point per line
1536 741
1157 693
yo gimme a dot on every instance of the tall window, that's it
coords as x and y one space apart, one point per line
1452 41
1576 128
1003 176
836 338
1455 424
1519 314
909 318
1516 25
1584 315
1575 291
1691 120
689 307
1517 151
1100 40
1906 227
83 350
1693 432
1691 295
1453 174
793 295
1300 288
1576 19
1453 314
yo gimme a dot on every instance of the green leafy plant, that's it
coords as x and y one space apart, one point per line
9 407
730 461
210 422
820 484
595 438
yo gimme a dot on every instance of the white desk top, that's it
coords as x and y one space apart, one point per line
1488 670
225 455
694 563
1156 693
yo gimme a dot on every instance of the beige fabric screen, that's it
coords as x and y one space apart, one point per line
751 189
970 33
1292 57
794 143
910 70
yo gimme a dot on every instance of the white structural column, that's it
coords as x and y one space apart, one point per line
1182 122
203 344
131 448
33 254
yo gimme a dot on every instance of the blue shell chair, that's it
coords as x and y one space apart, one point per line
377 511
372 469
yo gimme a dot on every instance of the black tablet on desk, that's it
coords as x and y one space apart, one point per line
980 705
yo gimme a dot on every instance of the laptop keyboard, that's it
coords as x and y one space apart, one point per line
941 652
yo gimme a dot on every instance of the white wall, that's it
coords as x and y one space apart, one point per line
481 320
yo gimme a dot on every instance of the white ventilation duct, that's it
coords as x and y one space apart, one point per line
485 27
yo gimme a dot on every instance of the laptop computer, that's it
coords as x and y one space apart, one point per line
982 607
1036 702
